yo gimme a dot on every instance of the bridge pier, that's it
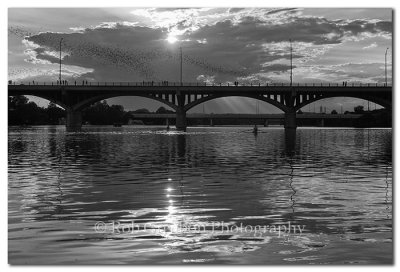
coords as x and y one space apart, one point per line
74 120
290 141
290 119
290 131
181 119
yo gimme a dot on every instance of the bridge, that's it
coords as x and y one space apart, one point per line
184 96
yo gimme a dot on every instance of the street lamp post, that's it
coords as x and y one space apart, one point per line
180 49
386 66
291 63
60 61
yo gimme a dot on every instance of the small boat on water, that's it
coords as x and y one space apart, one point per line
117 125
255 129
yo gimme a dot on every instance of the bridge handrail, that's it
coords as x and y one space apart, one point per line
196 84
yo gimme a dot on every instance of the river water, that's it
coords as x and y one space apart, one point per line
144 195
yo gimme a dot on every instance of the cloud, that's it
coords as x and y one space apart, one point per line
313 30
137 49
352 72
235 10
106 47
46 73
280 10
362 25
372 45
206 79
224 44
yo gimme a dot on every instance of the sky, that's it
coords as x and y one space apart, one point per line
219 45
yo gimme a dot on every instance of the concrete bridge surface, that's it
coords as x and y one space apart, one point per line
182 97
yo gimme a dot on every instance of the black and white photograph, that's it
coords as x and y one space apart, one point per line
199 135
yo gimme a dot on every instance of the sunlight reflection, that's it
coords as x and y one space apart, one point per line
171 209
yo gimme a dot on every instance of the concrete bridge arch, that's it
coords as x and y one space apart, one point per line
182 98
49 98
259 97
374 99
87 102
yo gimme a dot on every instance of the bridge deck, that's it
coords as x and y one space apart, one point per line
198 88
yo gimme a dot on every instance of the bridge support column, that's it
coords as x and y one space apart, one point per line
290 119
181 119
74 120
290 141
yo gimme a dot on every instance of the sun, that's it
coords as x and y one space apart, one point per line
172 39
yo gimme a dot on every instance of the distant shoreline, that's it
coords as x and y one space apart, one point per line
217 126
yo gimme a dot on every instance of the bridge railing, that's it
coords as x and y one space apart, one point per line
193 84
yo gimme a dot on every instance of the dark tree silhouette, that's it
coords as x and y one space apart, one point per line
162 110
54 113
359 109
23 112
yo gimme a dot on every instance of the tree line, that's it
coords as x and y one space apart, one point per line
21 111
